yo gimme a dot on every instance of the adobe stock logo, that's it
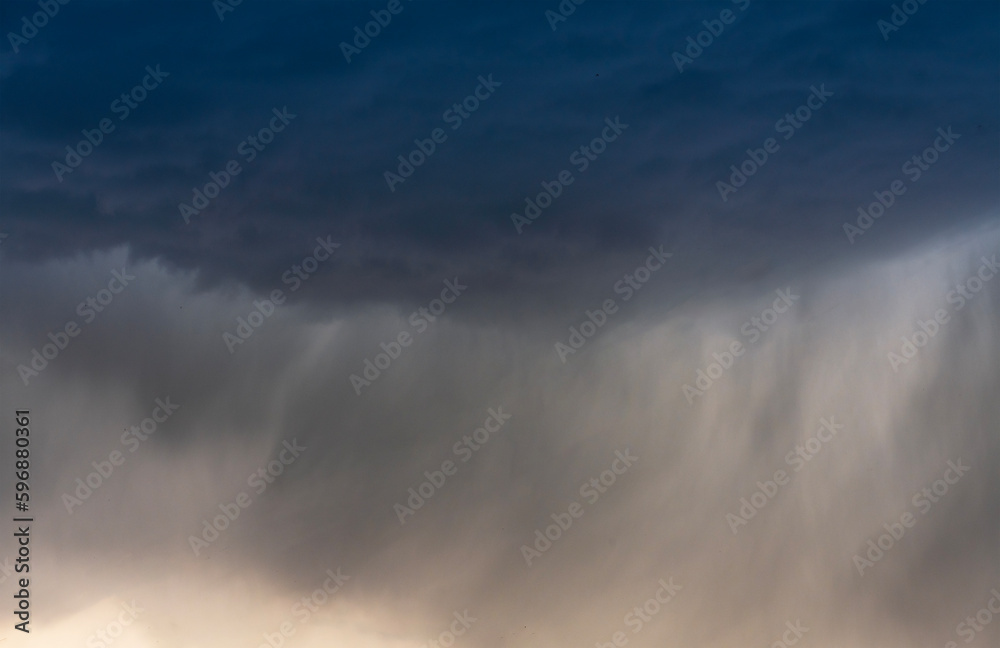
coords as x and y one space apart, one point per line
222 7
566 9
788 126
913 168
249 148
464 449
29 28
362 39
305 608
643 614
107 635
463 621
697 44
792 635
899 17
974 624
419 319
123 107
581 158
923 500
260 480
591 491
753 329
104 468
627 286
960 296
88 310
797 458
454 116
265 308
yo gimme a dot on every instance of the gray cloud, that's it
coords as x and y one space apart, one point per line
665 517
283 376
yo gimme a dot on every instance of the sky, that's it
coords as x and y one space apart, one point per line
411 323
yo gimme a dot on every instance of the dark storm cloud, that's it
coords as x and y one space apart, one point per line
654 186
663 518
324 173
